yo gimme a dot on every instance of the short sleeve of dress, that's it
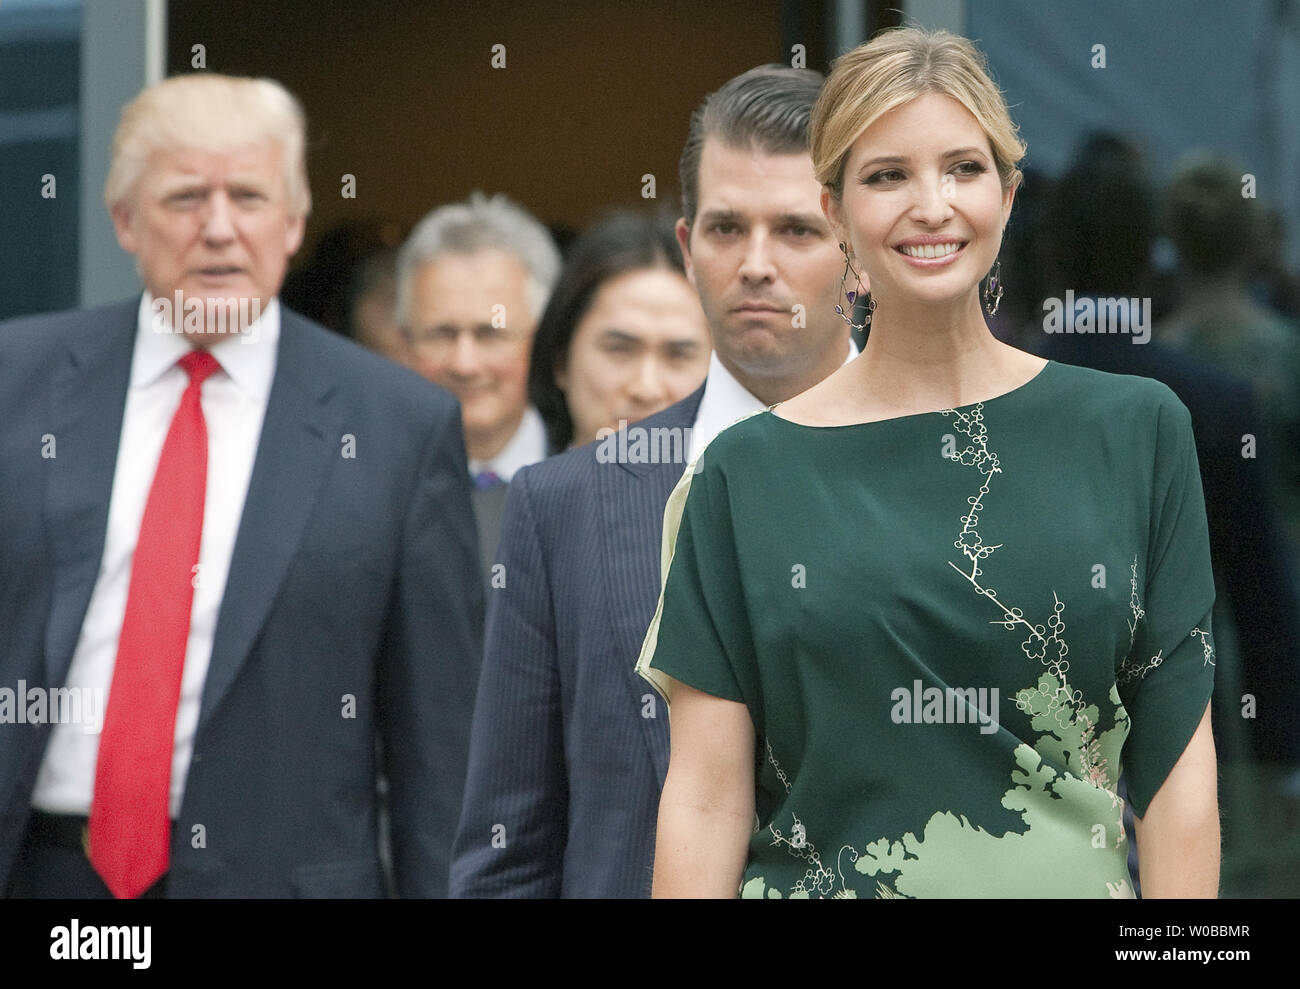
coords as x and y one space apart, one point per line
1168 676
700 634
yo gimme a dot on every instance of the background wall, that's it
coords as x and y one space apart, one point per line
404 96
1178 75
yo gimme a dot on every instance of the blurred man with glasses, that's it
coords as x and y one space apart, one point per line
472 281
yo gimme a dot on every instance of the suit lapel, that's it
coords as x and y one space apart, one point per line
300 438
632 499
87 404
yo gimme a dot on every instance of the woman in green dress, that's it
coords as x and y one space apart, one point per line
917 621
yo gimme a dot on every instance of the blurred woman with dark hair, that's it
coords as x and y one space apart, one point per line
623 335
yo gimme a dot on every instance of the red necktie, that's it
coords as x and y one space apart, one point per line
130 827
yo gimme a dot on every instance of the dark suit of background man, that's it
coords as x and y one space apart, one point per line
569 748
266 562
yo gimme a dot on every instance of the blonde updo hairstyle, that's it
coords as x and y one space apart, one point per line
892 69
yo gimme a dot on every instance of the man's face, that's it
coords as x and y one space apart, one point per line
471 331
211 225
759 248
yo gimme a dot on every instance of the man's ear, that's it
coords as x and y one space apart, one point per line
293 235
683 231
121 214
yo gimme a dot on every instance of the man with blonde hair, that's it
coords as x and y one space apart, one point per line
243 541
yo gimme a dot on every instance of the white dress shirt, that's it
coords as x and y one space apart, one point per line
725 400
234 405
526 446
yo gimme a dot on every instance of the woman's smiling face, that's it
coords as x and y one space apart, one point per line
922 204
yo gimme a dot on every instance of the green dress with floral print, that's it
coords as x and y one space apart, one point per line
954 632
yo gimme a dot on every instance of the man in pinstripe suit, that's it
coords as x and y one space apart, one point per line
569 748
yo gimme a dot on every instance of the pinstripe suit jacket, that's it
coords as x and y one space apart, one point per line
569 746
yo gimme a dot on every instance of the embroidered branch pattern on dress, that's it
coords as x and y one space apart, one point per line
818 880
1128 669
1206 642
1045 642
1135 604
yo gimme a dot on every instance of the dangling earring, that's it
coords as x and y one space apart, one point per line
852 297
993 291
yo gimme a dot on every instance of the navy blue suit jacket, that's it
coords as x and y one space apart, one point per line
350 577
1245 544
570 747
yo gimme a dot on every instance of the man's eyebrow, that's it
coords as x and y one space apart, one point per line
781 219
800 219
183 184
715 215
